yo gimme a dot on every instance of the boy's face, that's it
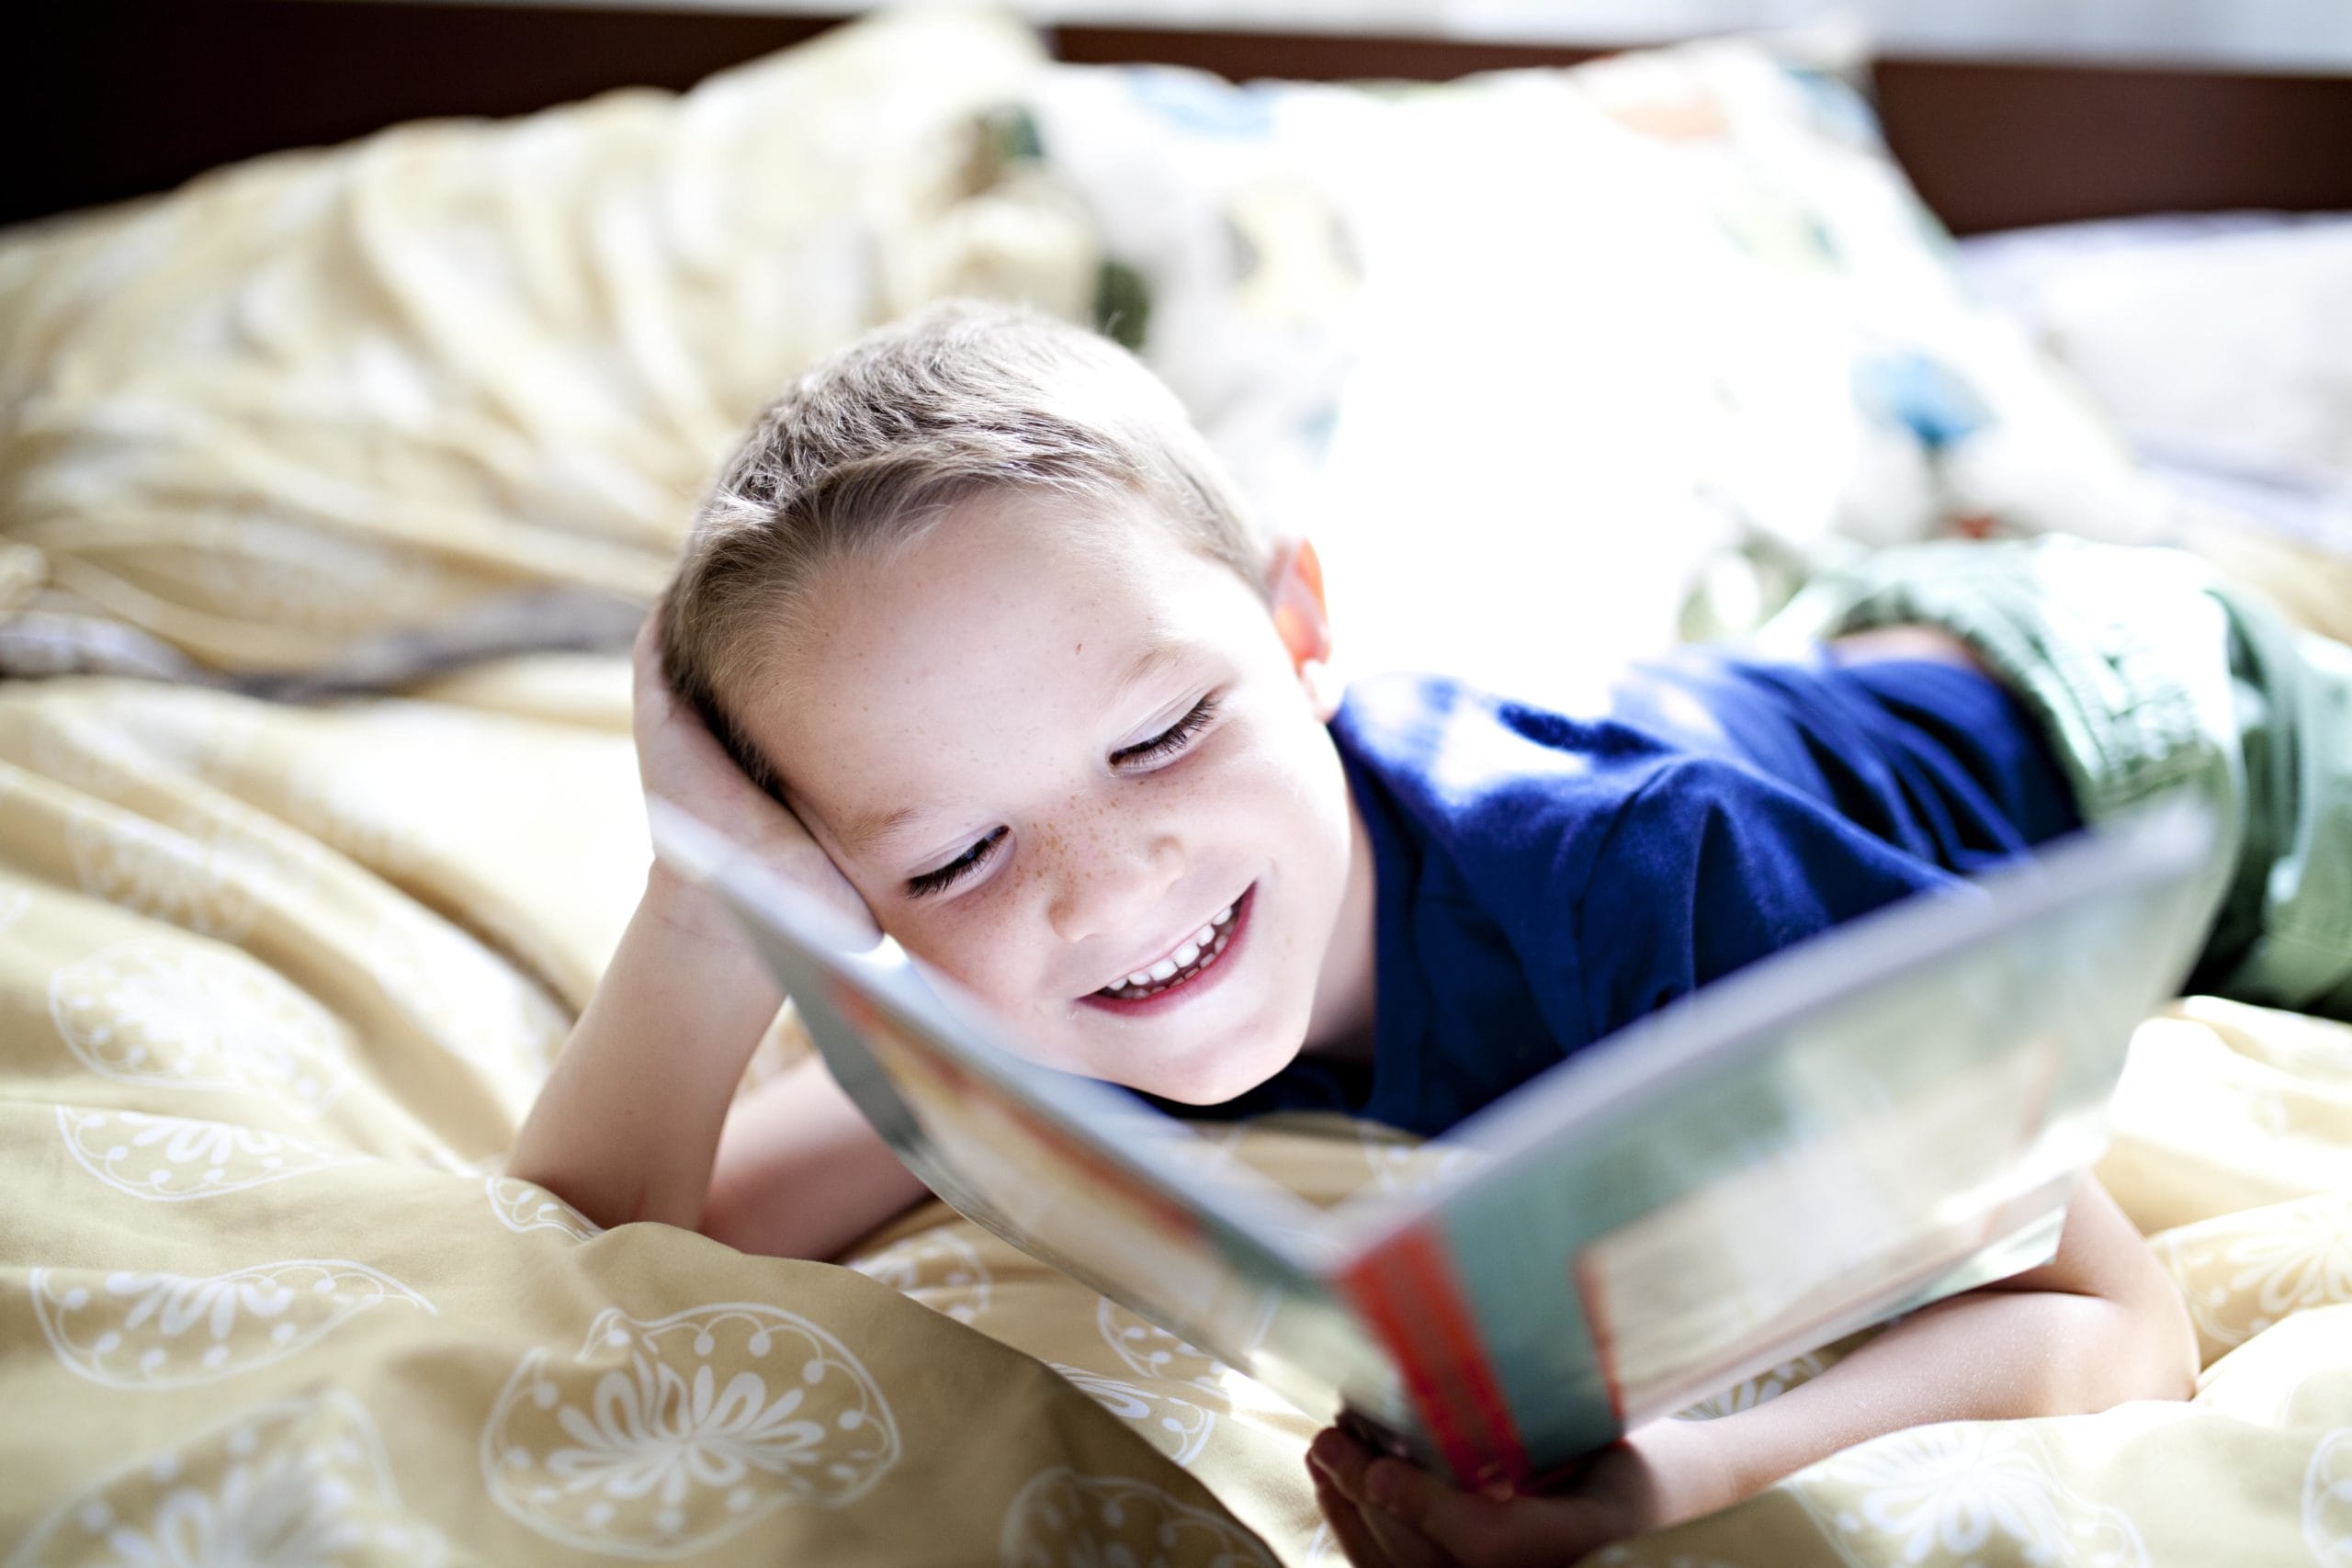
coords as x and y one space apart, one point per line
1051 752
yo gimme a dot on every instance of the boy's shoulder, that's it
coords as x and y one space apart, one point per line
1450 746
1526 803
1512 795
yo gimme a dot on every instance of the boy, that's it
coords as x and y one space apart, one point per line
973 641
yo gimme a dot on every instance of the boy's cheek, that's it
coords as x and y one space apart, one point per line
970 947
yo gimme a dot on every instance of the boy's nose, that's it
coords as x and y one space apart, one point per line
1113 892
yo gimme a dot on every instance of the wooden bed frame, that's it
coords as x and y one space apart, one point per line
119 97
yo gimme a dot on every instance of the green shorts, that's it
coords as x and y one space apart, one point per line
2150 674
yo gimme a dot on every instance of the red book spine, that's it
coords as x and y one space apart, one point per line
1406 1290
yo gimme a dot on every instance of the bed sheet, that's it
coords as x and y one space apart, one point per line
277 983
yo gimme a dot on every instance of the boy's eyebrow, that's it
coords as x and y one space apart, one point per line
863 831
1161 651
867 830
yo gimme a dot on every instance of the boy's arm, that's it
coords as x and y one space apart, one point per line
626 1122
630 1122
801 1172
2101 1324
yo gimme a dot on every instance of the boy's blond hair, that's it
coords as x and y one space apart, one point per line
874 446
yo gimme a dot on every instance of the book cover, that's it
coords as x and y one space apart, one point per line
1846 1131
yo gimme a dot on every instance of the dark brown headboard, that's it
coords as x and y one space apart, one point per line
119 97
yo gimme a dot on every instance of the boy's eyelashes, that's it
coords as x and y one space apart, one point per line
1168 741
1173 738
952 871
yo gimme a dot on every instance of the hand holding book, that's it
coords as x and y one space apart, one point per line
2098 1325
1384 1511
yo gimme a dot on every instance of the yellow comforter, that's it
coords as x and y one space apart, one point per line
278 982
275 987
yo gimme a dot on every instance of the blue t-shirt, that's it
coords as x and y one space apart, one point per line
1543 879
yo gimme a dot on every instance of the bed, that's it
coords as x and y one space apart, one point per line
332 484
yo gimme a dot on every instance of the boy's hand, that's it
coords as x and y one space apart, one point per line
1387 1514
680 760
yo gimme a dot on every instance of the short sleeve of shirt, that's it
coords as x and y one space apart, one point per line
1709 867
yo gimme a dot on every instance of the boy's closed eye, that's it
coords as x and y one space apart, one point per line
1166 743
954 870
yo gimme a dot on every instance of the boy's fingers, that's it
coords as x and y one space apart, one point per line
1334 1455
1422 1500
1346 1468
1467 1528
1406 1547
1347 1524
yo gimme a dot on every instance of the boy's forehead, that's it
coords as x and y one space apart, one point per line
931 676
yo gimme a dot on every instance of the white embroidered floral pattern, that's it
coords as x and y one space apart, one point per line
172 1157
1063 1519
299 1484
209 872
132 1330
661 1438
938 1269
2243 1274
209 1019
2327 1500
1954 1493
521 1206
1149 1350
1176 1427
1759 1390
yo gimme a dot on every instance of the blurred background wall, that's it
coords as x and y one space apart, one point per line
2006 112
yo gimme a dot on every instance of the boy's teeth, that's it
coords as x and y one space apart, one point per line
1224 915
1196 955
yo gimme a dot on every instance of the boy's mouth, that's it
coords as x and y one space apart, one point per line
1199 955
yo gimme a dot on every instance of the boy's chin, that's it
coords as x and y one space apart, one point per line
1224 1076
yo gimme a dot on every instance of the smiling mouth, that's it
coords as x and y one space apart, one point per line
1199 952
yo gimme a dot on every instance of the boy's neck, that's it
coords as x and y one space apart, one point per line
1340 1025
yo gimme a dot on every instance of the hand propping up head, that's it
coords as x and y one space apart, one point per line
680 760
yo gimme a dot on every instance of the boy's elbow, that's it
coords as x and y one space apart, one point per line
2154 1353
2169 1359
601 1204
2180 1360
2145 1349
2134 1338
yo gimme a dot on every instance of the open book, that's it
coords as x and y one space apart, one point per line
1883 1116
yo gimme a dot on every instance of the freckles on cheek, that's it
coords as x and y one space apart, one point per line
963 944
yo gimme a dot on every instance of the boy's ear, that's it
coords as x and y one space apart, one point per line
1295 587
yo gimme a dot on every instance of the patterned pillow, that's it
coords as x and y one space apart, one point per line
1593 358
1230 264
